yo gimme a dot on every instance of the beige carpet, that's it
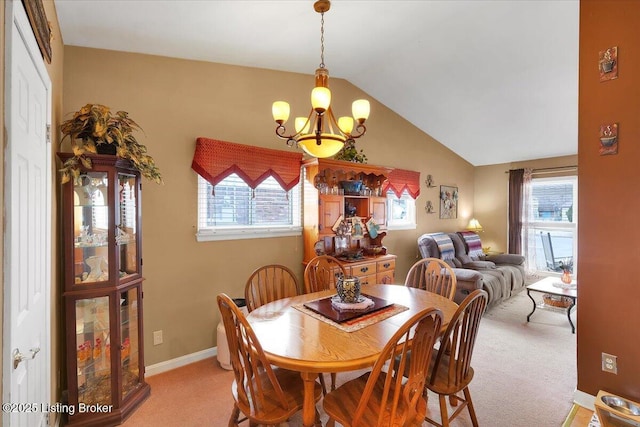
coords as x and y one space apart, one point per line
525 377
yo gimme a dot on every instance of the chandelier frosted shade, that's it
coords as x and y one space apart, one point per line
302 125
360 110
345 124
280 111
328 146
320 99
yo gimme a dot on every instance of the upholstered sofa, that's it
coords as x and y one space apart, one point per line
502 276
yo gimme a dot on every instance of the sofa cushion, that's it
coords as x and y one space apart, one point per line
506 259
480 265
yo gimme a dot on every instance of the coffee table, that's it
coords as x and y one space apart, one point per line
545 286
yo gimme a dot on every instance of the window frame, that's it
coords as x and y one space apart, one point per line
571 227
207 233
410 223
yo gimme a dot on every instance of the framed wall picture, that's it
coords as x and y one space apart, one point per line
41 29
448 202
609 139
608 64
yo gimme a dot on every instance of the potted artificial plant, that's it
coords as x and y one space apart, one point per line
95 130
349 153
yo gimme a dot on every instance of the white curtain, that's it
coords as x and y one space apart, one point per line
528 237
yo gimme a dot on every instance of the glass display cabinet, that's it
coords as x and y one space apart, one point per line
103 292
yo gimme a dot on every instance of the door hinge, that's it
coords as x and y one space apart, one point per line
48 134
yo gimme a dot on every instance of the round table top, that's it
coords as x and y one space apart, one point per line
295 340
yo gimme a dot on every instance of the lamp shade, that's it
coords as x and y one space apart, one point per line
474 225
320 99
360 109
280 111
302 124
345 124
328 147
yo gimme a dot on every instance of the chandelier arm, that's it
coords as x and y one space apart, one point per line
291 139
360 130
280 131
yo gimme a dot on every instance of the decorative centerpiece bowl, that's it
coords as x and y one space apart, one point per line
351 187
348 288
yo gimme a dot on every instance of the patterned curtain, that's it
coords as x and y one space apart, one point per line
399 180
215 160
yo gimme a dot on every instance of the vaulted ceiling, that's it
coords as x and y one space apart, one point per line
494 80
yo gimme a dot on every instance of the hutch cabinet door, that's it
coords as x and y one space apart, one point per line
330 209
378 210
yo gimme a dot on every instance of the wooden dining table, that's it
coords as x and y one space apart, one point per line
294 339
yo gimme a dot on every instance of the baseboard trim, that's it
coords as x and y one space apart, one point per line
571 416
584 399
169 365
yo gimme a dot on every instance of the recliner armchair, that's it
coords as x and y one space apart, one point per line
501 276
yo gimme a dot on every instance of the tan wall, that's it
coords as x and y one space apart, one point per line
609 201
175 101
492 196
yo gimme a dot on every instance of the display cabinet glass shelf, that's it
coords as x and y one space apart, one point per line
103 291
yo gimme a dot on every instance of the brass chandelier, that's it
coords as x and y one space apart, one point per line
319 134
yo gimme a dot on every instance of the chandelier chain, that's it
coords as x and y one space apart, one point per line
322 40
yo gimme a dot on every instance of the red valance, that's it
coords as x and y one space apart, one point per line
215 160
399 180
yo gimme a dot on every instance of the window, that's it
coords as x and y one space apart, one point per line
552 225
401 211
238 212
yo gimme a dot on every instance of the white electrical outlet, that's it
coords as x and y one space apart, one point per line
157 337
609 363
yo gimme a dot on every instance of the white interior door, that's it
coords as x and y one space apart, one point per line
27 268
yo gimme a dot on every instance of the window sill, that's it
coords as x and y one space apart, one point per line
401 227
246 233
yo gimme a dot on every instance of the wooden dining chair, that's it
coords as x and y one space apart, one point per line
264 394
451 370
385 398
433 275
322 273
270 283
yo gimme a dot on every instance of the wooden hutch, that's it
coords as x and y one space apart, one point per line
326 203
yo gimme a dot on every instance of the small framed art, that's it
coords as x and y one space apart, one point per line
448 202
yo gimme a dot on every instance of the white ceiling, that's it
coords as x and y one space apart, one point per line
495 81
